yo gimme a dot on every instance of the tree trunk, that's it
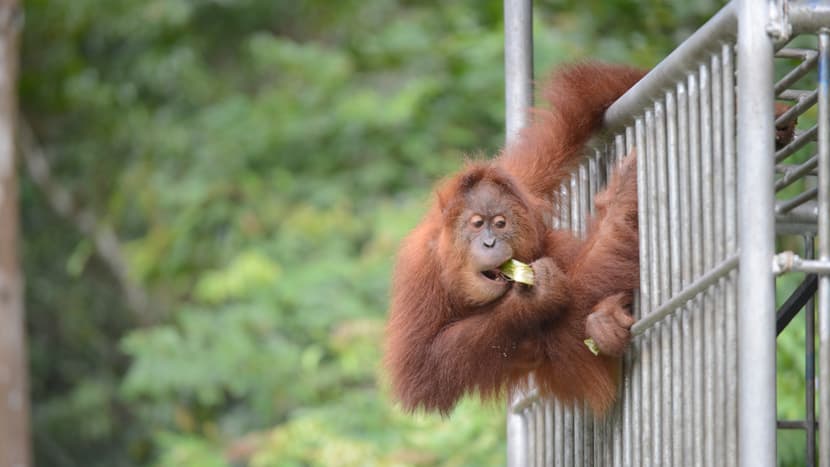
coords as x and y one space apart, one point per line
14 400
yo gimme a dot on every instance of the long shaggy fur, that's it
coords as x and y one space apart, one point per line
438 348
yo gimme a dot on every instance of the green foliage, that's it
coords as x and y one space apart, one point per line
260 161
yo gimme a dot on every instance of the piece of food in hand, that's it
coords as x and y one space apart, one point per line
592 346
517 271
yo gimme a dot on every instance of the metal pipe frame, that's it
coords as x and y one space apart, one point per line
518 93
756 201
706 304
824 241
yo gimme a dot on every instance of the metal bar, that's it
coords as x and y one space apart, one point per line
788 261
518 64
539 429
531 439
824 243
631 410
673 397
792 425
810 366
696 258
549 430
641 363
808 15
722 26
783 207
796 173
708 256
797 300
718 317
568 435
730 221
756 285
559 433
808 57
800 140
804 213
803 103
518 91
680 299
651 353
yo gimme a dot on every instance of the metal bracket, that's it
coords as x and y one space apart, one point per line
779 27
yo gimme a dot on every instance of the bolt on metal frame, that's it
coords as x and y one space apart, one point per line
698 383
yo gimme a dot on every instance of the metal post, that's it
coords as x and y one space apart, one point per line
518 93
756 286
810 366
824 243
518 64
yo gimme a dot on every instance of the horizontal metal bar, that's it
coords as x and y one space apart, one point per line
804 102
784 207
794 228
809 57
796 52
796 173
800 140
781 169
699 285
794 94
808 16
788 261
793 425
805 213
673 69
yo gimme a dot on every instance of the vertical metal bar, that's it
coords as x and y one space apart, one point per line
719 305
518 93
619 447
530 421
824 243
640 365
584 197
549 430
651 357
756 285
569 436
578 438
696 257
686 269
673 397
642 428
539 432
810 366
564 206
708 260
730 221
559 433
576 222
664 364
584 201
588 437
597 432
518 64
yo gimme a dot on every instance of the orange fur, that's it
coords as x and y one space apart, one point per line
441 343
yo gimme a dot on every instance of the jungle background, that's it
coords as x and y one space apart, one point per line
212 192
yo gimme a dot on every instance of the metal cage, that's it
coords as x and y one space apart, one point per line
699 383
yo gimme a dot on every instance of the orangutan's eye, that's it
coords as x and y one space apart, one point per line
500 222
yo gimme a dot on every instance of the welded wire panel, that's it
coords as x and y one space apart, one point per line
676 399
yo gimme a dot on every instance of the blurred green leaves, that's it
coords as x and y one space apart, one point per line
260 161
